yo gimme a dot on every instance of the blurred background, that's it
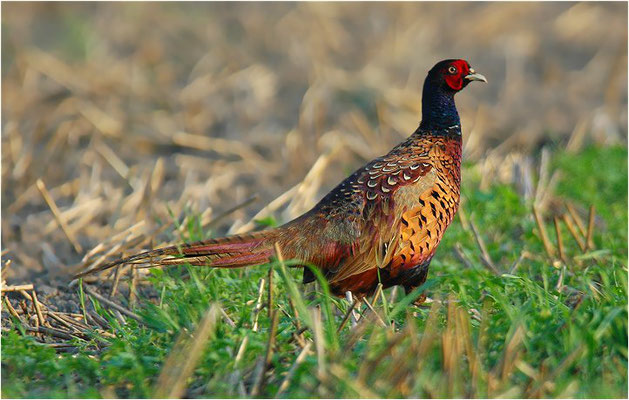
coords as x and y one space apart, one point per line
125 116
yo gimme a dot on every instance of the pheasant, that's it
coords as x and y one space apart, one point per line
380 225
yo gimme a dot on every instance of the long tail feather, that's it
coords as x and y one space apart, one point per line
228 252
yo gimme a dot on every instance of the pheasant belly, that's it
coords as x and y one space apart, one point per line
421 229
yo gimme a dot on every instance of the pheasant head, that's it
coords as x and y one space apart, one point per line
444 80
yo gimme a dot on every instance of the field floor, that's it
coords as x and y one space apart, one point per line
509 313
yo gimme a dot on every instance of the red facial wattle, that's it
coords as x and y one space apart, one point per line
455 80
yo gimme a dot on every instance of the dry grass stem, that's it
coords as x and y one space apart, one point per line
547 195
62 321
542 231
110 156
577 219
102 322
112 305
575 143
511 353
517 262
559 286
184 356
114 286
269 209
289 375
119 317
205 143
299 335
241 350
133 286
57 214
11 309
226 318
51 332
307 189
460 254
16 288
380 320
354 315
259 378
539 390
280 259
123 236
485 257
465 221
568 221
562 254
259 305
37 307
377 293
347 315
319 343
357 332
589 243
343 376
230 211
27 296
368 367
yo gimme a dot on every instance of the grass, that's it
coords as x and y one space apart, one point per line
541 328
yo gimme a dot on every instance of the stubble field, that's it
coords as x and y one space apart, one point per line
129 126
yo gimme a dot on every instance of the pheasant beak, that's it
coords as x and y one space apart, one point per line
474 76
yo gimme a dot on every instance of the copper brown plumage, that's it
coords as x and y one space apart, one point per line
381 224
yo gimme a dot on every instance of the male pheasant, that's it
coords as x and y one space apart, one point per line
381 224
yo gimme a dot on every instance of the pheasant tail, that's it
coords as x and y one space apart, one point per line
227 252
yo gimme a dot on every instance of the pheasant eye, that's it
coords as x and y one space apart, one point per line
452 69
